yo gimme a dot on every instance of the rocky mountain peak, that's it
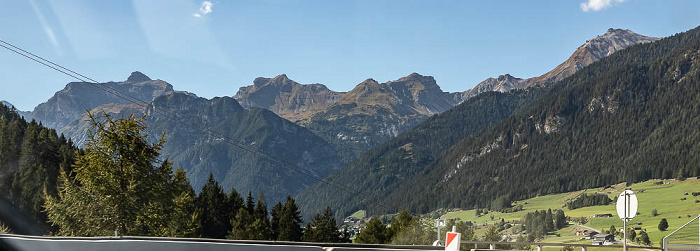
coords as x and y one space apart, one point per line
8 104
282 95
589 52
137 77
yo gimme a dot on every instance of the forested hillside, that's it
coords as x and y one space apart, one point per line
379 171
628 117
30 158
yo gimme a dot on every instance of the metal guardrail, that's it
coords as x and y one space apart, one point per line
15 242
539 245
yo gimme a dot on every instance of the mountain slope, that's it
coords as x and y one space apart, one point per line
70 103
632 121
377 172
373 113
591 51
184 117
284 96
201 154
556 142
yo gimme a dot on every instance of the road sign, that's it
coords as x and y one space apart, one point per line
627 205
452 242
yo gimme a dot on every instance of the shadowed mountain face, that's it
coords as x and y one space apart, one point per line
187 120
591 51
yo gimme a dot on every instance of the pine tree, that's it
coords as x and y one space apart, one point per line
560 219
117 184
403 221
186 218
250 204
275 215
241 226
322 228
234 201
261 223
290 222
631 234
211 202
663 224
375 232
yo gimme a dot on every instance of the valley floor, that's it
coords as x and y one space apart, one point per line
672 199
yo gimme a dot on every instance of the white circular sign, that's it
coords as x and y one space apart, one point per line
627 205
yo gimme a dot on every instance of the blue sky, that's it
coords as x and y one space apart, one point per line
212 48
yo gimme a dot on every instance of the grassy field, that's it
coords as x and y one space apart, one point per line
666 198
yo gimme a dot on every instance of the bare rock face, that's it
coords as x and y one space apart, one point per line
282 95
373 112
591 51
76 98
503 83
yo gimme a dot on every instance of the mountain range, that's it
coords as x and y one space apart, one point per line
591 51
203 135
625 118
323 129
373 113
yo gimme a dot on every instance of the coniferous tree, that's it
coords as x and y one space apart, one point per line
118 184
403 221
241 226
211 202
559 219
185 220
234 201
375 232
261 223
290 222
322 228
663 224
250 203
275 214
631 234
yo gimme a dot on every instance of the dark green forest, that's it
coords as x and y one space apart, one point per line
585 200
626 118
379 171
30 158
120 176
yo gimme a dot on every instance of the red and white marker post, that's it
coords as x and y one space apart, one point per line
452 241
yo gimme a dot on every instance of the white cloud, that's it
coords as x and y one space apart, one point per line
596 5
204 9
47 28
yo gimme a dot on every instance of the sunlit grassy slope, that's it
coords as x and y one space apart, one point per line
666 198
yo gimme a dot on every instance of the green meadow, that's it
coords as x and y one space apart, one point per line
672 199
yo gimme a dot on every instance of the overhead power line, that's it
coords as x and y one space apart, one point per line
135 100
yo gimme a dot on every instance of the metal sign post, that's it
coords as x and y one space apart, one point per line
626 210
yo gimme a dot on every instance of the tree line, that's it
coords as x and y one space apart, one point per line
119 184
586 200
539 223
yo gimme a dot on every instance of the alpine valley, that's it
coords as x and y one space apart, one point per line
400 144
628 117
